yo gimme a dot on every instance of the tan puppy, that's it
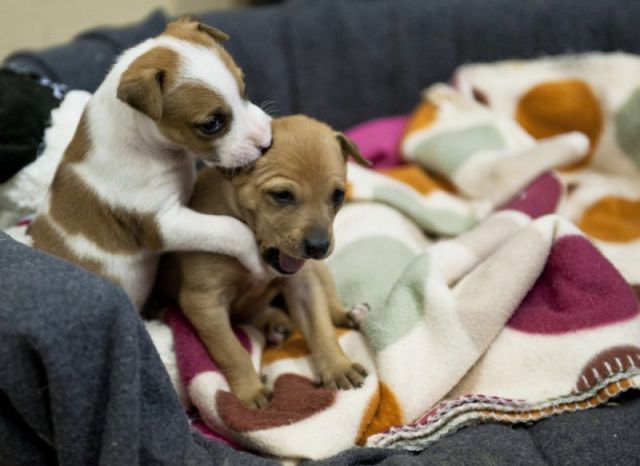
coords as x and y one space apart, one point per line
289 199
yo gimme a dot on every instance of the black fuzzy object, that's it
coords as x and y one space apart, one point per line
25 109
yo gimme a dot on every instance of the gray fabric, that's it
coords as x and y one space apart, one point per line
348 61
80 382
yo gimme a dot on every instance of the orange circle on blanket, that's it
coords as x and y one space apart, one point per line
557 107
612 219
423 117
349 192
294 347
386 414
418 178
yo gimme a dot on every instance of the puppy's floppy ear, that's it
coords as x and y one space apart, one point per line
141 88
142 84
350 149
216 34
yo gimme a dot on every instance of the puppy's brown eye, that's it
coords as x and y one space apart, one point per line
283 197
338 197
214 124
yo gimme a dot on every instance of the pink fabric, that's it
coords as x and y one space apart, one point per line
541 197
578 289
379 140
191 354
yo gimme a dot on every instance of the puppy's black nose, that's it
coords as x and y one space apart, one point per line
316 244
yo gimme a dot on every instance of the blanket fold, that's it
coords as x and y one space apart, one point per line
499 263
518 305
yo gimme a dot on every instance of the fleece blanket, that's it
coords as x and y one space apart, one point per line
496 245
499 260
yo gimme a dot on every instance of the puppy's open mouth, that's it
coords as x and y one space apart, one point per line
281 262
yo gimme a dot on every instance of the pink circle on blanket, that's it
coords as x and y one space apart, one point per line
191 355
540 198
379 140
578 289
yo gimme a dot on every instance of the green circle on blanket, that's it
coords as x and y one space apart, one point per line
628 127
403 309
447 151
439 220
366 270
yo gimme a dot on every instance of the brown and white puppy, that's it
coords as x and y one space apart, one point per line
118 198
289 199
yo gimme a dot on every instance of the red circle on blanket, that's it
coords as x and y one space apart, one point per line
294 398
578 289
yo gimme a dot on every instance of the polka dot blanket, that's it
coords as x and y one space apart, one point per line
499 258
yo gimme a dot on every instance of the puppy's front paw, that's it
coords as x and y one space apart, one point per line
254 398
352 318
357 314
247 252
345 377
254 264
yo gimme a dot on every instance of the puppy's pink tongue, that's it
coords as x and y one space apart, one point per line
289 264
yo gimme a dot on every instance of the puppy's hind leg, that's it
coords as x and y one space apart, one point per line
275 323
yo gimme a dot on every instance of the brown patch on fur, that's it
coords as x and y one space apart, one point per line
79 210
80 143
150 86
216 34
192 30
76 208
235 70
46 238
143 83
187 105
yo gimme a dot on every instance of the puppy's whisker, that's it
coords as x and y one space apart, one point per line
270 107
267 102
